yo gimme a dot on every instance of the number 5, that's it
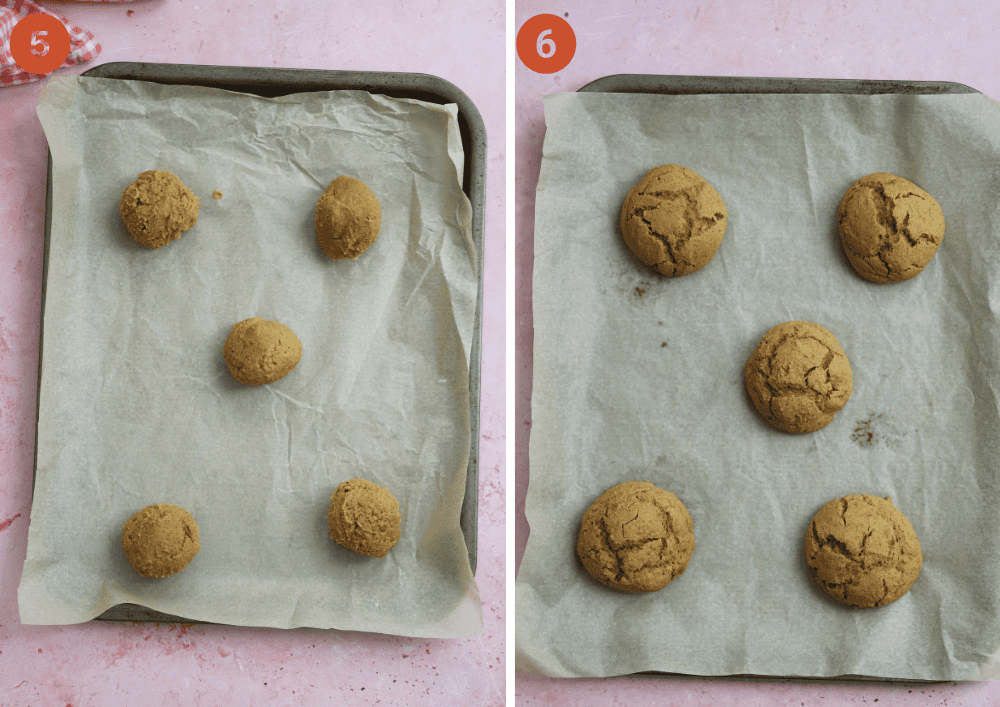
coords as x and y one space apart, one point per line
35 42
545 46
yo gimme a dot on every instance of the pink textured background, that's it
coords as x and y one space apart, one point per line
923 41
113 664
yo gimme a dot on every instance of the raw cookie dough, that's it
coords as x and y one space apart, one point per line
348 218
160 540
364 517
890 228
798 377
863 551
258 351
157 207
673 220
636 538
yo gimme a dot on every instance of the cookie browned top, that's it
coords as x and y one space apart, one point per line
798 377
157 208
673 220
348 218
636 538
890 228
863 550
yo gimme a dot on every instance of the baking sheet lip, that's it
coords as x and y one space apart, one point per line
846 679
684 84
474 187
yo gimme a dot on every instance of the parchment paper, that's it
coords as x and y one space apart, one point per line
137 406
641 378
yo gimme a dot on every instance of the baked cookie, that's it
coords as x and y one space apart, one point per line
157 208
348 218
863 551
258 351
160 540
364 517
890 228
673 220
636 538
798 377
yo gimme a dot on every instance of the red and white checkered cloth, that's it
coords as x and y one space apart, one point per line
82 45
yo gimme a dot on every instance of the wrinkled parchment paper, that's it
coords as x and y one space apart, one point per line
641 378
137 405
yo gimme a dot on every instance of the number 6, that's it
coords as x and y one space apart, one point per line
35 42
545 46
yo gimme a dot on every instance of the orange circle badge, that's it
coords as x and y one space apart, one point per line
546 44
39 43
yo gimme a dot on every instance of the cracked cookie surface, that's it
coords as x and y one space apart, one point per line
258 352
889 227
673 220
636 538
798 377
863 551
157 208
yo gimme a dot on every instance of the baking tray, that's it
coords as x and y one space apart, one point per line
274 82
680 85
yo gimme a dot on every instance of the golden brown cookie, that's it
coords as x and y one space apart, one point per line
348 218
798 377
258 351
160 540
364 517
636 538
890 228
157 208
673 220
863 551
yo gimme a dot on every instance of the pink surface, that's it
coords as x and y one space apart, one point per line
927 41
107 664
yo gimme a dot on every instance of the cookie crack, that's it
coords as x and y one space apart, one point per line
672 256
695 222
886 205
619 570
820 398
885 594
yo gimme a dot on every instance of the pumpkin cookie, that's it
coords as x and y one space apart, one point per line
636 538
863 551
348 218
673 220
258 351
160 540
157 208
364 517
890 228
798 377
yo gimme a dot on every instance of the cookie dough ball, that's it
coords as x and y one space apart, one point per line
348 218
636 538
673 220
798 377
157 208
890 228
258 351
863 551
160 540
364 517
